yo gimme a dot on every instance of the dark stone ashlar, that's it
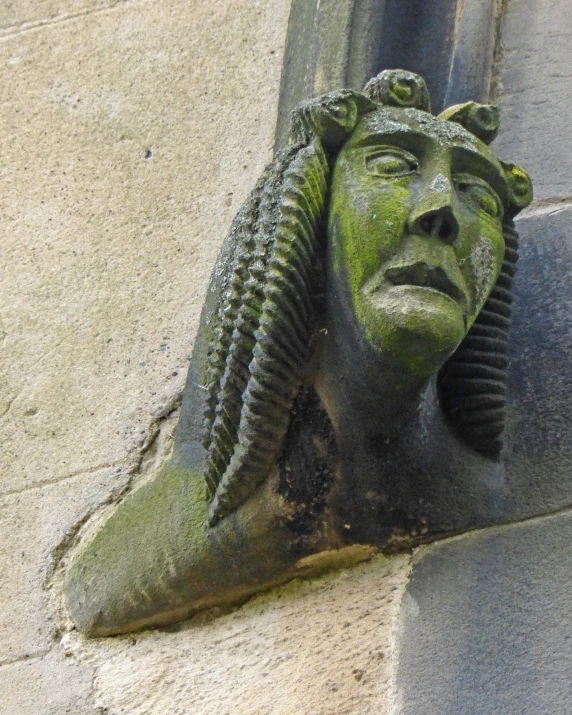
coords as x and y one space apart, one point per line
356 317
486 623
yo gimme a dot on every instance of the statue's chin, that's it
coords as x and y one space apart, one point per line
417 328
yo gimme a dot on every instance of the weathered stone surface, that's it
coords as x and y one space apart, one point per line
486 626
163 77
128 140
32 525
16 15
470 72
330 45
534 93
419 36
538 450
52 685
313 647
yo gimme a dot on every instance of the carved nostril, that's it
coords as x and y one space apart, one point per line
441 224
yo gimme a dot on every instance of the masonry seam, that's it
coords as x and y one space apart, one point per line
37 655
49 482
496 85
9 32
396 615
547 206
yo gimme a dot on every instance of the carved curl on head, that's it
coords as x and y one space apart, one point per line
263 322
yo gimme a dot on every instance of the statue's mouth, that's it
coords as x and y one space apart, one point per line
423 275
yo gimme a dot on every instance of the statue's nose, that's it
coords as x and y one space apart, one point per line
434 216
440 223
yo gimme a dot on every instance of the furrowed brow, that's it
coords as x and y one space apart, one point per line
405 138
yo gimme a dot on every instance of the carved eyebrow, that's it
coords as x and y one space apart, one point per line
465 159
405 137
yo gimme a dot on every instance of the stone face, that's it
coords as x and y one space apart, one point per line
388 243
52 685
534 86
486 625
318 647
128 139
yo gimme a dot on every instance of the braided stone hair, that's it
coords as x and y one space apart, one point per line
262 323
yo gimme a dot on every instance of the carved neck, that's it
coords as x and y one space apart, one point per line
364 394
375 407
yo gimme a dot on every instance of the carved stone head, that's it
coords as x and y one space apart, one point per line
357 315
403 221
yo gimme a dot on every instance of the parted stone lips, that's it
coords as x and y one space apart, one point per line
423 275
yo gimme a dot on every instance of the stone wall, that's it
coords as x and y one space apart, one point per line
486 619
130 133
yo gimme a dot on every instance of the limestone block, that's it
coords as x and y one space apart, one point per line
52 685
128 139
32 525
486 623
308 648
534 94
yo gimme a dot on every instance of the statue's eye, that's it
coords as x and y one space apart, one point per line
391 163
480 194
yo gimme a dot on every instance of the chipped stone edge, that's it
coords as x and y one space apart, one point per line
141 463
